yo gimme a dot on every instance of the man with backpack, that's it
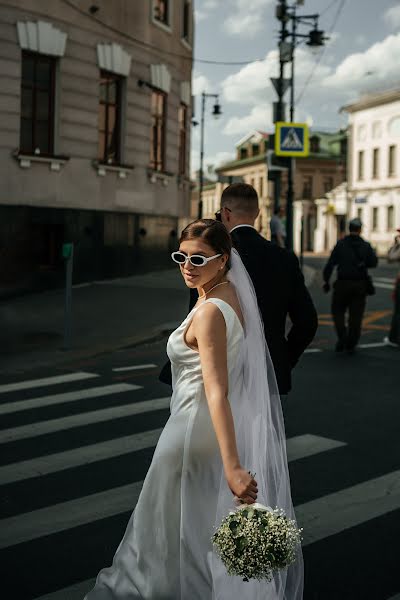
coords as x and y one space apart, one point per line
352 256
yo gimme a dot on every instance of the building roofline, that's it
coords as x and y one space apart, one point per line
371 100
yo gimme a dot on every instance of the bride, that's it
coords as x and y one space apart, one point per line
225 422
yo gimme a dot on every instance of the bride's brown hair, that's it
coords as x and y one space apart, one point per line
212 232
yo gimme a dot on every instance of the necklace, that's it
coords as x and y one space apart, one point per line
213 288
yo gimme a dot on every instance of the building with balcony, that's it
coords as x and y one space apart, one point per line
95 112
374 166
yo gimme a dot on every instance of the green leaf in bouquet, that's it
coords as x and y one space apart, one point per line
233 525
241 543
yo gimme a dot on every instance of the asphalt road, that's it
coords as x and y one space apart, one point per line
76 447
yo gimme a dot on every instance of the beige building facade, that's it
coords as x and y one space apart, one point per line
95 112
315 176
374 166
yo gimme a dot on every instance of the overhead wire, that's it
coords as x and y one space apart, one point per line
156 49
320 57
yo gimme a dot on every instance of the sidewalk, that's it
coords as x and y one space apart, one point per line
107 315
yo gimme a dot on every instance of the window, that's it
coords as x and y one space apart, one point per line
361 133
261 186
109 118
314 143
361 164
255 149
359 214
392 161
374 218
182 118
375 163
186 21
37 104
328 184
158 123
161 11
307 187
243 153
376 129
390 217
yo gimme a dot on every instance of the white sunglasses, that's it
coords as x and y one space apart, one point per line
197 260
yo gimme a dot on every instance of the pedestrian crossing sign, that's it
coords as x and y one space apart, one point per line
291 139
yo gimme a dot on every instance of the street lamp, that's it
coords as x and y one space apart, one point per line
216 113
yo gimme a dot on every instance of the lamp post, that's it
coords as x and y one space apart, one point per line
315 38
216 113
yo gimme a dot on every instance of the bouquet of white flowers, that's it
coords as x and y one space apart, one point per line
255 541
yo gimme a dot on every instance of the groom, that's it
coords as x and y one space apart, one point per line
278 283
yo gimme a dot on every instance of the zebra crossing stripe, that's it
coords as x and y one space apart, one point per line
54 463
72 592
385 286
84 394
334 513
88 418
35 383
66 515
134 368
297 447
321 518
385 279
73 513
303 446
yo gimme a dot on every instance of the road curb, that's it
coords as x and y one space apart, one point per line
61 358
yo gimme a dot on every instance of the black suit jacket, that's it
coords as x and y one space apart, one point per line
281 291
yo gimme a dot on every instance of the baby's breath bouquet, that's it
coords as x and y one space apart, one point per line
255 541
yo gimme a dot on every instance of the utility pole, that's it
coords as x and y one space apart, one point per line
315 38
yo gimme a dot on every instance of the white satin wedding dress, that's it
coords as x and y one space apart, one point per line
166 552
184 476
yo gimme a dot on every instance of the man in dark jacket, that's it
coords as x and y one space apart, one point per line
352 256
278 283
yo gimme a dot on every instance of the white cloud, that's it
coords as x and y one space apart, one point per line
218 159
206 8
374 67
251 84
247 18
210 162
200 83
260 117
392 16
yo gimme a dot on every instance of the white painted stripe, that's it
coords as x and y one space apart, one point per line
297 447
348 508
385 286
72 592
312 350
134 368
96 392
385 279
73 513
54 463
59 517
303 446
35 383
96 416
373 345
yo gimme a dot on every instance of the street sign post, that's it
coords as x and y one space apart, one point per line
68 255
291 139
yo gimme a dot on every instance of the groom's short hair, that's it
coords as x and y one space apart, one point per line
241 198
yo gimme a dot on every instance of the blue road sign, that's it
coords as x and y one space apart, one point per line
291 139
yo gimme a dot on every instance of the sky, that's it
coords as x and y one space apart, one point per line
361 56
